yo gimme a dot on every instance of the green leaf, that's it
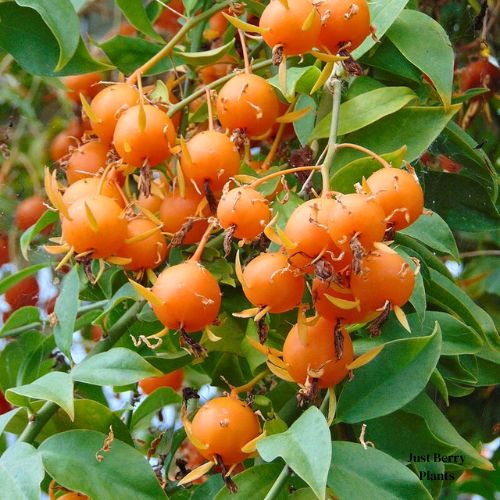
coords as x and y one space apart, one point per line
49 217
486 372
13 279
5 418
21 472
298 79
383 13
439 383
362 84
425 44
375 105
392 379
357 474
304 127
343 180
415 127
207 56
128 53
66 309
462 202
63 22
167 362
417 299
452 369
89 415
55 386
125 292
209 488
24 34
443 430
70 458
37 363
21 317
159 398
231 334
118 366
136 15
433 231
305 447
443 292
252 483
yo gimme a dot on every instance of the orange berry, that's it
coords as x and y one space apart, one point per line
173 379
86 161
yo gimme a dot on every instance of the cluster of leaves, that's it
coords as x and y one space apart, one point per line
431 391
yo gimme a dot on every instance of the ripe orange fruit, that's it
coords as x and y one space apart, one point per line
4 405
287 26
169 20
90 187
225 425
4 248
245 208
384 277
86 161
479 74
61 143
145 254
73 495
270 281
332 312
307 228
217 25
213 158
108 105
29 211
149 144
399 194
96 224
343 21
190 297
318 353
86 84
247 102
23 293
356 215
212 72
173 379
175 211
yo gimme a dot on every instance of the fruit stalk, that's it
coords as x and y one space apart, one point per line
165 51
334 86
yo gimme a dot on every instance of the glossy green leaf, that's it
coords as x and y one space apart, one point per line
375 105
63 22
128 53
135 12
439 383
55 386
89 415
443 430
486 372
357 474
49 217
209 488
305 447
304 127
5 418
392 379
230 333
167 362
362 84
462 202
452 369
433 231
23 316
383 13
252 483
24 34
118 366
37 363
125 292
207 56
155 401
70 458
297 80
66 309
12 279
424 42
415 127
21 472
417 298
343 180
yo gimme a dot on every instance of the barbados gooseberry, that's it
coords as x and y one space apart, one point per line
295 26
173 379
4 405
246 209
399 194
144 138
86 84
319 353
479 74
4 248
61 143
247 102
146 253
23 293
384 276
270 281
190 297
90 187
343 22
86 161
96 224
225 425
29 211
107 106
